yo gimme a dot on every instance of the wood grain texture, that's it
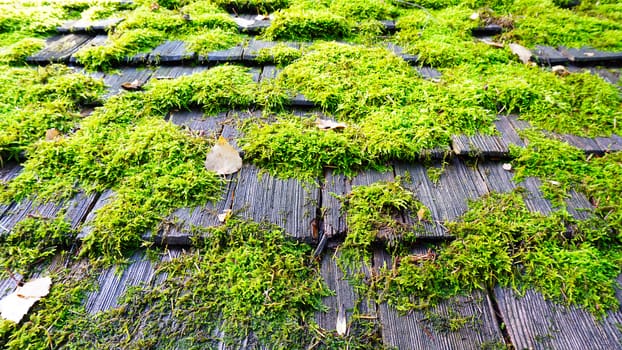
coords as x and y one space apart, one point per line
535 323
58 49
415 330
170 53
289 204
344 294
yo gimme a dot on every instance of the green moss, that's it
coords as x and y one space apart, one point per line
33 101
443 38
33 241
543 23
564 168
17 53
248 278
373 213
251 6
152 165
281 55
307 25
500 242
364 9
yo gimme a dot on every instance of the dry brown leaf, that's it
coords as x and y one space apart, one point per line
523 53
329 124
491 43
14 306
560 70
133 86
342 322
225 215
223 159
51 134
421 214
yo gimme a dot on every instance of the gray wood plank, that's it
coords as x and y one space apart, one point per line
546 55
172 72
333 221
429 73
448 198
289 204
177 229
499 180
609 144
103 199
399 51
488 146
58 49
231 55
587 145
171 53
586 55
8 172
344 294
114 80
84 26
414 331
535 323
76 208
197 121
98 40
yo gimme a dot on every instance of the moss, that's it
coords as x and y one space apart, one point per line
364 9
17 53
33 101
252 6
374 213
281 55
307 25
543 23
33 241
500 242
153 166
45 325
249 279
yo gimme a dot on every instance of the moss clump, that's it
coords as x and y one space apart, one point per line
17 53
581 103
222 87
202 25
250 281
252 6
542 23
33 101
33 241
443 38
153 166
500 242
563 168
374 213
281 55
307 25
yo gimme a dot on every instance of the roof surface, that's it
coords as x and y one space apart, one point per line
313 211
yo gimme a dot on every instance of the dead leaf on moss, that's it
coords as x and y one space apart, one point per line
224 216
329 124
491 43
342 322
421 214
223 159
523 53
51 134
560 70
132 86
14 306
